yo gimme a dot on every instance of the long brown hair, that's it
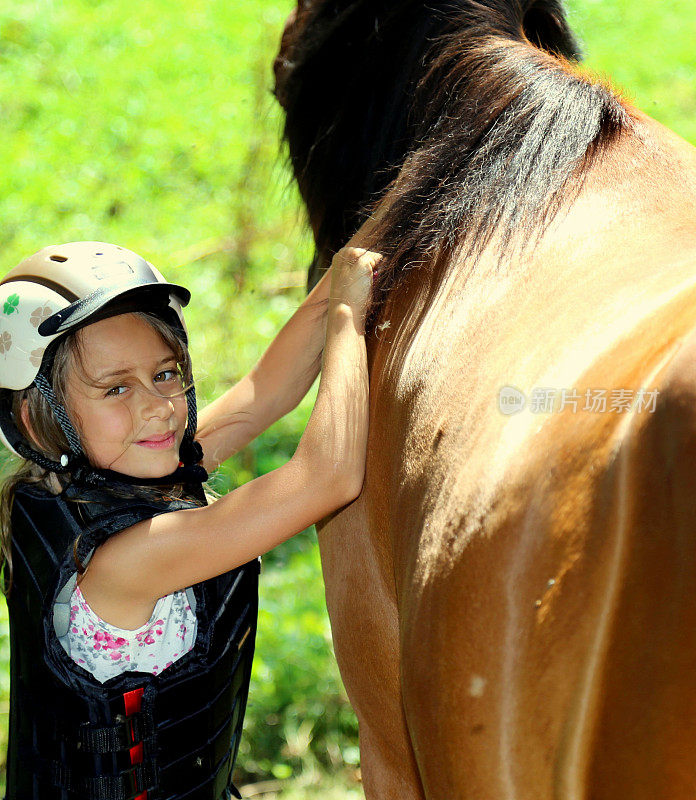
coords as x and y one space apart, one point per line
48 437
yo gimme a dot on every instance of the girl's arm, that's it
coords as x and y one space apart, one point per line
280 379
171 551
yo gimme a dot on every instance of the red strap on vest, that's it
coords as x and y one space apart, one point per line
132 702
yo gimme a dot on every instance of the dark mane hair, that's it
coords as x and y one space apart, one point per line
482 101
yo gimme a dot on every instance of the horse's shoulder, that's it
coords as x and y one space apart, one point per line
658 449
673 420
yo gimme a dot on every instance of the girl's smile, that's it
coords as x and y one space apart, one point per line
159 442
125 396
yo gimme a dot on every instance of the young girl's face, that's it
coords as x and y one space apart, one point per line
124 395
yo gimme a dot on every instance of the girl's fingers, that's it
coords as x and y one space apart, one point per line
354 274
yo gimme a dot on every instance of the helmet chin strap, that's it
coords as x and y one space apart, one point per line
59 412
187 452
29 454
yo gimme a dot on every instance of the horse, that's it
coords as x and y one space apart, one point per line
513 594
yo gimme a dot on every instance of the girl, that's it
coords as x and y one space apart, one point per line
133 603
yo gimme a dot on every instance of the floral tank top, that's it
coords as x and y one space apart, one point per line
106 651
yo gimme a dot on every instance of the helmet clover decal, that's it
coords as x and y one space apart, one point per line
5 341
10 304
35 356
38 315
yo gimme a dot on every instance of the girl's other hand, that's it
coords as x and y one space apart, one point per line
352 270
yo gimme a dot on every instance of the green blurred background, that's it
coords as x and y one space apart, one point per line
151 124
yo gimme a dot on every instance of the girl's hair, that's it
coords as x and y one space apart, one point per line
50 440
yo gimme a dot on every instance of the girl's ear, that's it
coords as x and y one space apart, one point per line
24 413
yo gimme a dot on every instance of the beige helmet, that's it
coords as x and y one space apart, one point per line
60 289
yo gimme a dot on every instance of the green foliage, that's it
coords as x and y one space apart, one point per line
299 721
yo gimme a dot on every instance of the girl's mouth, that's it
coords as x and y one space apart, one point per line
159 442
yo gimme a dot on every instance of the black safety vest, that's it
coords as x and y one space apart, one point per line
138 736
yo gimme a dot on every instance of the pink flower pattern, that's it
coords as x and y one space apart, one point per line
105 650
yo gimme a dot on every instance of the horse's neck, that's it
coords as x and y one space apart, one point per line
611 287
622 250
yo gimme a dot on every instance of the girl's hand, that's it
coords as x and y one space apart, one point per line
352 276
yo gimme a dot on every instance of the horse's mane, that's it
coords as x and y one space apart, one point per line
479 109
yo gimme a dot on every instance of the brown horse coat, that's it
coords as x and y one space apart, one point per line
513 596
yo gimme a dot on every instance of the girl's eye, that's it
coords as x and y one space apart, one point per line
166 375
116 390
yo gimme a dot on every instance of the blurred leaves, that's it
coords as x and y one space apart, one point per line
296 708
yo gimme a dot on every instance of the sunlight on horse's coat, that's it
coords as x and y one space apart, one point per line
494 622
574 766
515 485
477 685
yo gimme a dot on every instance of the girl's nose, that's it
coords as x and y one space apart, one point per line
155 404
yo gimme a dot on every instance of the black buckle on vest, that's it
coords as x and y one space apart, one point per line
128 732
127 785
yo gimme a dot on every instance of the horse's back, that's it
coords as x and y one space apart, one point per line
547 586
513 603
